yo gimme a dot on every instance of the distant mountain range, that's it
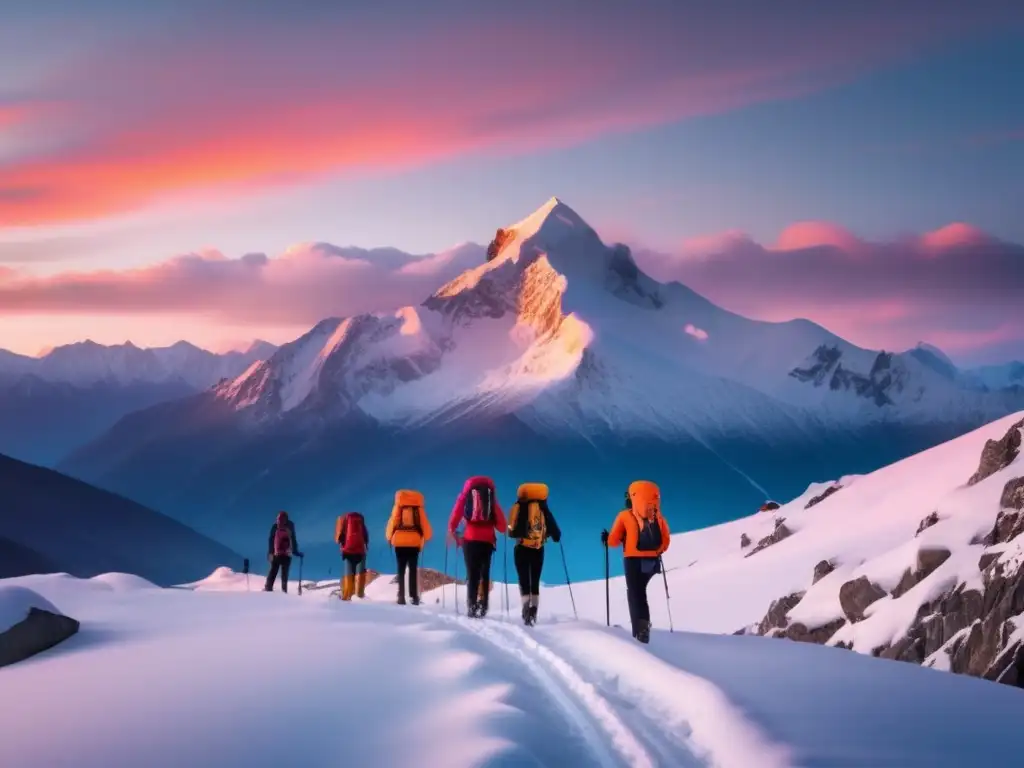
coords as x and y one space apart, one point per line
56 403
559 360
50 523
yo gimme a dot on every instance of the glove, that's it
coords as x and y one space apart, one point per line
299 554
556 537
604 538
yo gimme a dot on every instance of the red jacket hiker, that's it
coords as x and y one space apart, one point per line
476 531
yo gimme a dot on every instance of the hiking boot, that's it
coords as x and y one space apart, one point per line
643 632
401 599
526 614
415 601
533 615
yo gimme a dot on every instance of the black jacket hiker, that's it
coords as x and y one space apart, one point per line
280 563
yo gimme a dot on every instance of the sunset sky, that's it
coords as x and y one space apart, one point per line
165 167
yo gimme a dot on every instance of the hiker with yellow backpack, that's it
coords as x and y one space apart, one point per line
642 532
531 523
354 539
408 529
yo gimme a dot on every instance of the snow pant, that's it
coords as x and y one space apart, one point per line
282 564
639 572
355 576
408 559
478 572
529 564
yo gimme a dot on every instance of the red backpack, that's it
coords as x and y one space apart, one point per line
282 541
353 538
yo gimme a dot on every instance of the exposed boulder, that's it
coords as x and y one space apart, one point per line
927 523
856 595
781 532
822 496
928 559
1013 495
38 631
744 541
1008 526
997 454
769 506
821 570
820 635
777 615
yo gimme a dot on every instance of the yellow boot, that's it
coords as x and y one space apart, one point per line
361 584
347 587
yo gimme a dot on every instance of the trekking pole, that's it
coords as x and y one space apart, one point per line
444 584
302 559
565 566
607 593
245 570
668 600
504 568
457 611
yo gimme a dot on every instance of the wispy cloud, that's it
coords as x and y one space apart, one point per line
240 101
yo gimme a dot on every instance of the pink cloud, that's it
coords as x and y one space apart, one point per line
302 286
235 104
956 285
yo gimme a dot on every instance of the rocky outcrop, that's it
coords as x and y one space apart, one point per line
501 239
777 615
769 506
39 631
744 541
928 559
997 454
1013 495
927 523
856 595
820 635
1008 526
822 496
781 532
821 570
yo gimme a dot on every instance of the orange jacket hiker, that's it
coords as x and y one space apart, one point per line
408 525
641 530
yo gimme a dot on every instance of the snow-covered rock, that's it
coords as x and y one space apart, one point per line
29 624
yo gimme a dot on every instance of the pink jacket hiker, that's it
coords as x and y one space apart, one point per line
477 531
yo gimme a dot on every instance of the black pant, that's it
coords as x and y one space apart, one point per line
282 563
354 564
639 572
478 571
529 564
408 558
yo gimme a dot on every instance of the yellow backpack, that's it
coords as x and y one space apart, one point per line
535 529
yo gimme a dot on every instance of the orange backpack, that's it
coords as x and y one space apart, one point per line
408 506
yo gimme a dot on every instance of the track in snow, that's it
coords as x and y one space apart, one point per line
614 737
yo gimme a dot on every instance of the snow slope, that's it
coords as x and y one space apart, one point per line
227 677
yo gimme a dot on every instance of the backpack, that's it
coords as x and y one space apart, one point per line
479 506
282 541
352 533
533 524
645 502
408 505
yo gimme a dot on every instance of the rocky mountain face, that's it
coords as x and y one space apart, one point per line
970 625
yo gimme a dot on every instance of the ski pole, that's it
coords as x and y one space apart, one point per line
444 584
565 566
245 570
302 559
668 600
457 611
607 593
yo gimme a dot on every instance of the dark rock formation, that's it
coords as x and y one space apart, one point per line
822 496
928 559
927 523
501 239
744 541
997 454
769 506
821 570
820 635
37 632
855 596
781 532
776 617
1013 495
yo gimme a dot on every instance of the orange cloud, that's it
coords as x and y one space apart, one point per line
268 100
